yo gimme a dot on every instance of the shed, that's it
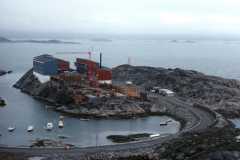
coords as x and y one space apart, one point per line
144 94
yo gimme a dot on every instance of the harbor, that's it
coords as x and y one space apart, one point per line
28 111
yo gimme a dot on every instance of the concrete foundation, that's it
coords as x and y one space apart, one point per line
41 78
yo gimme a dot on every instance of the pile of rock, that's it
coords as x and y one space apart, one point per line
143 153
213 143
48 143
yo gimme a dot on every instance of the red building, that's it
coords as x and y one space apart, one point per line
63 65
87 67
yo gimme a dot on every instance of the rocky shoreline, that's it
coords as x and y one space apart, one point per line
219 94
2 72
131 107
2 102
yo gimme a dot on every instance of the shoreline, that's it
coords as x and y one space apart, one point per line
159 151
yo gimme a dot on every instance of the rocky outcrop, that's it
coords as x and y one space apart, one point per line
48 91
48 143
131 107
222 95
214 143
218 93
2 102
128 138
2 72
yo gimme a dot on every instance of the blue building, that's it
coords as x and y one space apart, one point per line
45 65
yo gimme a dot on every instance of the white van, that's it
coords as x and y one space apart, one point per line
128 82
166 92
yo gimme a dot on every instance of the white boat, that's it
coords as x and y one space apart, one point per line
169 120
49 126
30 128
11 128
81 119
60 124
163 123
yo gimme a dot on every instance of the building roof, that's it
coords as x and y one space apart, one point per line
44 58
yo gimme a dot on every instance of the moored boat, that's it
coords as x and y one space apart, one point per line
49 126
60 124
30 128
11 128
61 117
163 123
169 120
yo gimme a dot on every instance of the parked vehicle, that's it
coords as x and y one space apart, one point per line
128 82
166 92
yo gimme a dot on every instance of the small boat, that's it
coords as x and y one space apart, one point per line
30 128
81 119
0 133
163 123
49 126
60 124
169 120
61 117
11 128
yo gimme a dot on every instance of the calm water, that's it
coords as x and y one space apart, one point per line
209 57
235 121
212 58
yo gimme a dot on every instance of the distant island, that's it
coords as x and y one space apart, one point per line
5 40
102 40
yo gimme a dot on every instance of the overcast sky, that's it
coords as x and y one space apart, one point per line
67 18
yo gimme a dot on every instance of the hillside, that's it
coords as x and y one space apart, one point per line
220 94
3 40
53 41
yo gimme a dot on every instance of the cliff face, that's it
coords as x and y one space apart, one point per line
190 86
49 91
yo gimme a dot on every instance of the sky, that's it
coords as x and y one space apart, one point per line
99 18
